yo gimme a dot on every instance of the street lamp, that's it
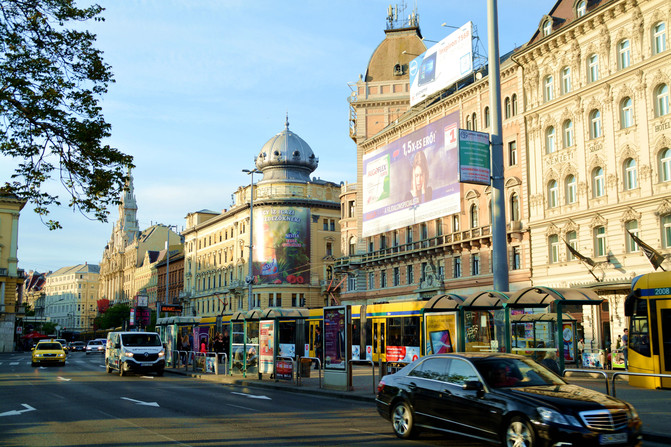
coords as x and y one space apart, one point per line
250 276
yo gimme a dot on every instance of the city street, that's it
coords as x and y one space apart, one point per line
80 404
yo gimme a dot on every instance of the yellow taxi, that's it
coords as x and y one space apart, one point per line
46 352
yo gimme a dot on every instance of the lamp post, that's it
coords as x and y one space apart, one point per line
250 276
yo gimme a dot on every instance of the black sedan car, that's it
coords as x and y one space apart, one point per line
502 398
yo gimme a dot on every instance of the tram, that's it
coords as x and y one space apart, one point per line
648 307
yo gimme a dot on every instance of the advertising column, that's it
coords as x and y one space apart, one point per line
337 346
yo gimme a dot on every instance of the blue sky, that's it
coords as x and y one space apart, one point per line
201 85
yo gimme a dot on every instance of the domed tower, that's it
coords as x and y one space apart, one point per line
286 157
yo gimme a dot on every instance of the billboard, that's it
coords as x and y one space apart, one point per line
413 179
335 337
442 65
281 245
474 157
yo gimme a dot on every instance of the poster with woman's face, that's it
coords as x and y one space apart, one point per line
335 338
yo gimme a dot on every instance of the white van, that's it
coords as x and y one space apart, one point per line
134 351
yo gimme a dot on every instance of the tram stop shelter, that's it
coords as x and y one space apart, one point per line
443 320
486 326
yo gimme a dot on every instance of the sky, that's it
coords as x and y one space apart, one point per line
201 85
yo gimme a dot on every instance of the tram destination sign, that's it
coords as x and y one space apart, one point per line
176 308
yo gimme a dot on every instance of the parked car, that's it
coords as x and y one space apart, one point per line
96 346
77 346
502 398
48 352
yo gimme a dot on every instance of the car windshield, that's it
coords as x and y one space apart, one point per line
95 342
141 340
48 346
508 372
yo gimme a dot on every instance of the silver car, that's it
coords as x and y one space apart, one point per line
96 346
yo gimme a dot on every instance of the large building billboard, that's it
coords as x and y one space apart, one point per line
281 245
413 179
442 65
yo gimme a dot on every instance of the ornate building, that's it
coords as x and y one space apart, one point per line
125 252
295 231
596 90
11 278
70 295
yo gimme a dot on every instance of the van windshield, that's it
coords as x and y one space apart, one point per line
141 340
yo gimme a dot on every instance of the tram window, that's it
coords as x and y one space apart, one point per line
639 334
394 332
411 331
356 332
287 332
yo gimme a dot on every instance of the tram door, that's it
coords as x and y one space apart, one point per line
379 341
664 318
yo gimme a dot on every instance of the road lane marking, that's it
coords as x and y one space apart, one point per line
244 408
63 378
17 412
252 396
139 402
13 363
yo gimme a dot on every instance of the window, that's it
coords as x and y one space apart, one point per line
595 124
410 274
329 249
408 235
516 259
457 266
593 68
600 241
550 140
352 245
514 207
468 122
571 189
439 227
553 194
553 245
623 57
474 216
488 118
350 208
512 153
665 165
572 240
547 27
397 276
507 108
662 100
659 38
581 8
371 280
598 182
455 223
383 242
371 245
475 264
423 231
626 113
396 239
631 228
565 80
475 122
567 128
332 225
547 88
666 229
630 174
514 101
383 279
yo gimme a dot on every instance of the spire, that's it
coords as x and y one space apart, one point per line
286 122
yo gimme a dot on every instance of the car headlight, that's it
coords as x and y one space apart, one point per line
550 415
161 354
633 414
38 355
128 354
61 355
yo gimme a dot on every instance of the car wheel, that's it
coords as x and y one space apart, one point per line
402 421
519 434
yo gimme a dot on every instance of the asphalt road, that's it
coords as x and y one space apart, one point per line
81 405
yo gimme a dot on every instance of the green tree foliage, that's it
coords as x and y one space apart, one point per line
113 317
51 125
49 328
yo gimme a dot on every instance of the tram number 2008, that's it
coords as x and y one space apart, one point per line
663 291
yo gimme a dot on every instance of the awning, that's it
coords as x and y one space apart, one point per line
530 318
444 301
544 296
488 299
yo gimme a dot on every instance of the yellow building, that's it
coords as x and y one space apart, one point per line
11 278
295 237
70 296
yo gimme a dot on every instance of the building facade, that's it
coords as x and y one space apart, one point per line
70 296
11 277
295 237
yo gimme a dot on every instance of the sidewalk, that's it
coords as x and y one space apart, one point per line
653 406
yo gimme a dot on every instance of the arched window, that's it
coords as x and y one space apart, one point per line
553 245
581 8
631 227
630 174
553 194
568 133
474 216
488 118
550 140
547 88
565 80
665 165
507 108
547 27
600 241
623 56
468 122
659 38
571 186
475 122
514 207
593 68
572 240
662 100
352 245
514 100
598 182
595 124
626 113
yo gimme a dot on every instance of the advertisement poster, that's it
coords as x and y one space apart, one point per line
405 354
442 65
281 245
285 370
412 179
335 337
567 331
474 157
266 346
287 350
440 333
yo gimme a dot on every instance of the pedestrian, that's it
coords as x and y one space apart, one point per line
625 346
550 362
318 346
581 349
219 346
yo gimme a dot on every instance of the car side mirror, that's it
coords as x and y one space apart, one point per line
33 348
473 385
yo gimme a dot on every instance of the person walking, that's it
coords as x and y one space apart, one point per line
581 349
219 347
625 348
319 350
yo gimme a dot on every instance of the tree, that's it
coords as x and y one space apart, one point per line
113 317
51 81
